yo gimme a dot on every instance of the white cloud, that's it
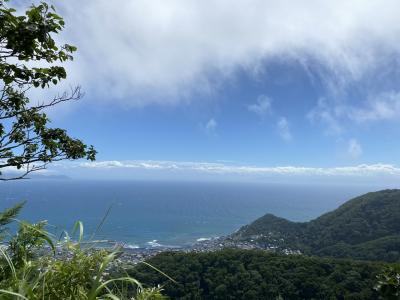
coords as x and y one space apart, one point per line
384 106
284 129
262 106
324 112
126 164
336 113
211 126
221 168
161 51
354 148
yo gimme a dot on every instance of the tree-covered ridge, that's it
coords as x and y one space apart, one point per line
366 227
255 274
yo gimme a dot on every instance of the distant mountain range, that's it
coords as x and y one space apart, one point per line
366 227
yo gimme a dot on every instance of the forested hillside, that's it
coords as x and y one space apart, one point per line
243 274
366 227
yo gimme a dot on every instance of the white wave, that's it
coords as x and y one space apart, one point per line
128 246
203 239
154 243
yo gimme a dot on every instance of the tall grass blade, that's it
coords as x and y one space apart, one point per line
103 285
102 221
159 271
78 225
13 294
9 262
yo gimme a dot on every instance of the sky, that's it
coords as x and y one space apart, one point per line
248 90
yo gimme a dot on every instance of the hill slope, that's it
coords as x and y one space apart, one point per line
366 227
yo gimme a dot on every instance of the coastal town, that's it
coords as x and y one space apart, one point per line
134 256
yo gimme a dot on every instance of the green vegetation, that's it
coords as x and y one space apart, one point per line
367 227
256 274
33 265
389 283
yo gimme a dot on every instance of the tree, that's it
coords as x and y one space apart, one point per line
28 59
389 283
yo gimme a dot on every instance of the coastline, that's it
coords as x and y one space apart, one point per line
133 256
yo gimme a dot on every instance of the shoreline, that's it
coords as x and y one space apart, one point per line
133 256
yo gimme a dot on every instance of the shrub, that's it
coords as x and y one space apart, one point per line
34 265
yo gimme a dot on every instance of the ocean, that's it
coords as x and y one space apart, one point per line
150 213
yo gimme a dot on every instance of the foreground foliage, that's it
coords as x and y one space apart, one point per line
31 58
33 265
244 274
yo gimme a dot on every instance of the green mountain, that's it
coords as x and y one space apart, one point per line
366 227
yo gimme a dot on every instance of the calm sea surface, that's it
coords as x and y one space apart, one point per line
168 213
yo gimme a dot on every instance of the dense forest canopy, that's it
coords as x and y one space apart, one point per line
244 274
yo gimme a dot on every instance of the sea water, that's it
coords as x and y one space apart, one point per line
150 213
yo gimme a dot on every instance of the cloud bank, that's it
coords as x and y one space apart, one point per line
163 51
361 170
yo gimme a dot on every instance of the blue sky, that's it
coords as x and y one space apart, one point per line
245 120
310 85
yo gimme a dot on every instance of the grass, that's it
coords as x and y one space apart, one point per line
36 266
